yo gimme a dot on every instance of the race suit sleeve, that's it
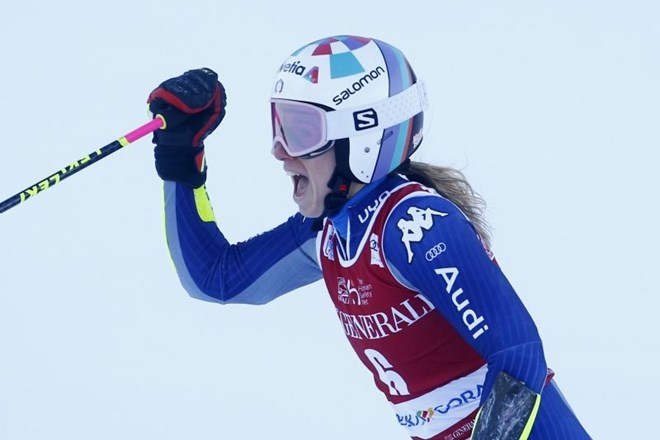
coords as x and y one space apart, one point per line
431 247
255 271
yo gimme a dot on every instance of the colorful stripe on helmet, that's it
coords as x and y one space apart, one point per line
395 142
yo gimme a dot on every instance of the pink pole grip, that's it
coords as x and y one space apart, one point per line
144 130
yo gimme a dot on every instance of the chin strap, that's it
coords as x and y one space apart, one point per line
340 184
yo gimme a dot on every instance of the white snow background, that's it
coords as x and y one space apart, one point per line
551 108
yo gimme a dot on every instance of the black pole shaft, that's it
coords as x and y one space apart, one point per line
60 175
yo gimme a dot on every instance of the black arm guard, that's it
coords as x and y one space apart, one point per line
509 411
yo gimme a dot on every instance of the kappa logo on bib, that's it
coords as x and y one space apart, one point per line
413 230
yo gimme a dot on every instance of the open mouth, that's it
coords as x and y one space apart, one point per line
300 184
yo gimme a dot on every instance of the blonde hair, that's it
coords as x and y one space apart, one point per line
453 185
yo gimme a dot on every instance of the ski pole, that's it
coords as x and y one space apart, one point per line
69 170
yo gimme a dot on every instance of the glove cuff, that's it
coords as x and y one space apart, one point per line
182 164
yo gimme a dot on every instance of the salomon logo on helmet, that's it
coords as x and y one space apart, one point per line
358 85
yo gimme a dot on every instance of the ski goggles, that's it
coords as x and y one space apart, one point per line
306 130
300 128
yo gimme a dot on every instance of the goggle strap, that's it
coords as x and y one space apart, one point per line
377 116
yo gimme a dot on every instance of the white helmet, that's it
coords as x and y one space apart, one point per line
357 94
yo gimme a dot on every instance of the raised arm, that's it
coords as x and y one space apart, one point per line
209 267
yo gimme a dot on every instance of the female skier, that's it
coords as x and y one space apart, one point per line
402 246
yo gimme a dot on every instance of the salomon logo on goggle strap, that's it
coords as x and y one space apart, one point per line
364 119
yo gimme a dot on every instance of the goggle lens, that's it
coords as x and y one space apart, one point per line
299 127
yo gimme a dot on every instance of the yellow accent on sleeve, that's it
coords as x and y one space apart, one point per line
530 421
122 141
203 204
476 422
524 435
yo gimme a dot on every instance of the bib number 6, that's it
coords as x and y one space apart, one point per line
397 386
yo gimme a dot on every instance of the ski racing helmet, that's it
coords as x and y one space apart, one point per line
357 94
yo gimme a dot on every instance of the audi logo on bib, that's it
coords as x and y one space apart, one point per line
435 251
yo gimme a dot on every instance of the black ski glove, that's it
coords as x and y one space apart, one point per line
192 105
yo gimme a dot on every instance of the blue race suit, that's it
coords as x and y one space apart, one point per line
418 294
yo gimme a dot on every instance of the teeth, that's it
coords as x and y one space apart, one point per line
292 174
